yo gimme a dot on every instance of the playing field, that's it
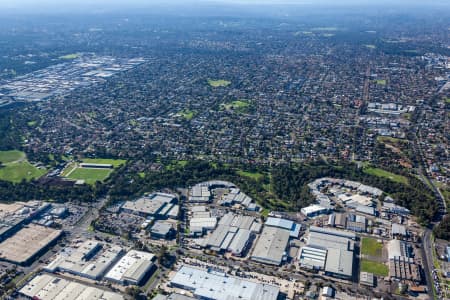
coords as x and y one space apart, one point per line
17 171
90 176
16 168
218 83
374 267
386 174
239 106
371 247
11 156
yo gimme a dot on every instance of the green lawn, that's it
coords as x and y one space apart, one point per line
176 164
447 100
114 162
381 81
251 175
187 114
240 106
17 171
90 176
383 173
70 56
374 267
11 156
371 247
219 83
31 123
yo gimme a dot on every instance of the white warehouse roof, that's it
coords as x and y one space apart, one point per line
131 268
213 285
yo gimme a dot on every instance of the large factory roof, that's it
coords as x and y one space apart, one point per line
294 228
47 287
334 232
271 245
27 242
88 259
131 268
339 263
326 241
213 285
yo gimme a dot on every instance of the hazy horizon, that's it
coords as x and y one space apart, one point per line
89 6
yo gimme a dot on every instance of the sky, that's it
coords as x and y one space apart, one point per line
39 6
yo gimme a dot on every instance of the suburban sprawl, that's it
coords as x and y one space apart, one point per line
292 156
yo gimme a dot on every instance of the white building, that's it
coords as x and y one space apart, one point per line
131 268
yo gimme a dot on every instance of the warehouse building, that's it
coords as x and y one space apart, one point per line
325 241
132 268
271 246
90 259
219 286
47 287
356 223
162 230
220 239
367 279
339 263
312 258
200 193
241 242
397 248
334 232
398 230
294 228
157 205
403 268
28 243
314 211
199 226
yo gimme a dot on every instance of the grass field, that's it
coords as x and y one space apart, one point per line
11 156
70 56
383 173
176 164
374 267
90 176
187 114
17 171
381 81
371 247
251 175
240 106
114 162
219 83
15 167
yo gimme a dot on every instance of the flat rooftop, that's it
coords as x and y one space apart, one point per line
132 267
48 287
271 245
27 242
214 285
